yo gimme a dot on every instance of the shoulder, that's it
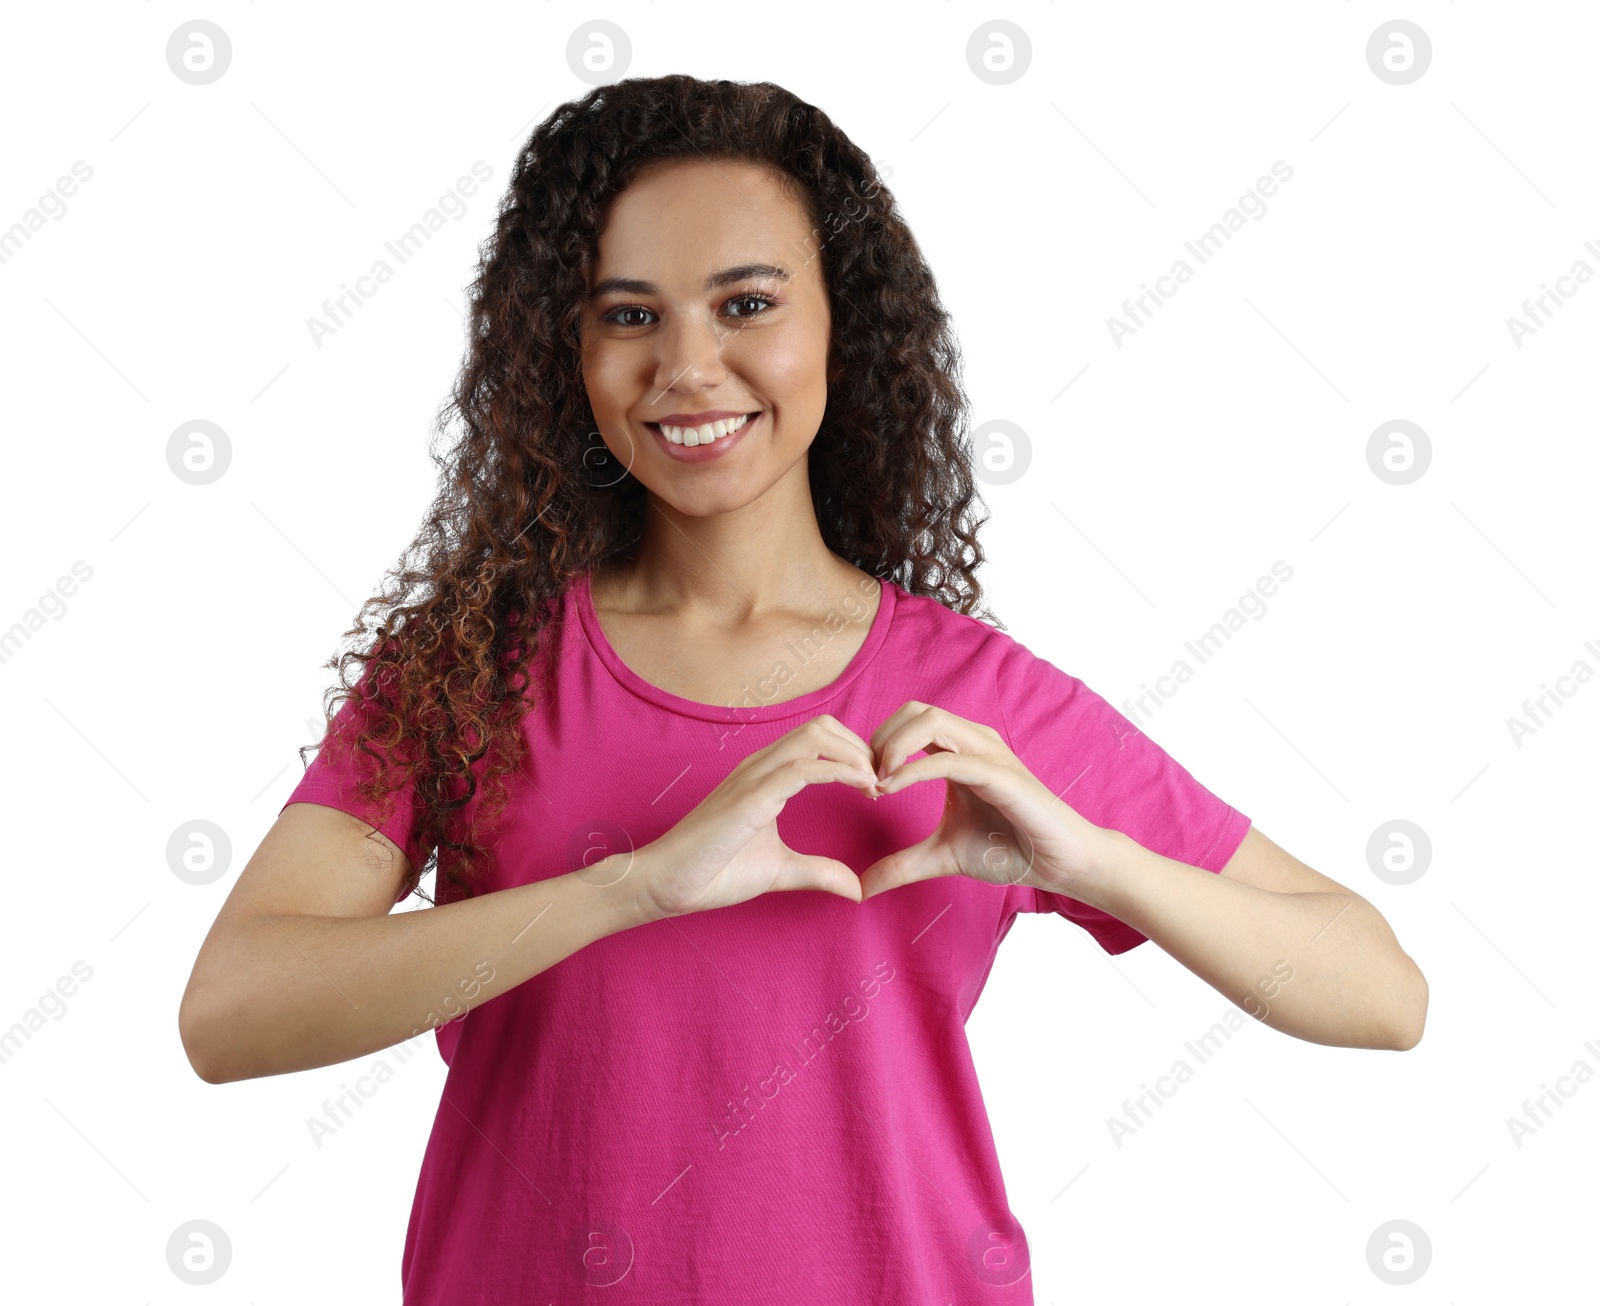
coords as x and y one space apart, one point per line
969 661
959 638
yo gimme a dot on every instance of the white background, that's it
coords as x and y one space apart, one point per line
1167 475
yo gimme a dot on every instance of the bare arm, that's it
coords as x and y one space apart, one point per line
305 967
1297 950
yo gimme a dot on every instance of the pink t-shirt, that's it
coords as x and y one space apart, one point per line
775 1101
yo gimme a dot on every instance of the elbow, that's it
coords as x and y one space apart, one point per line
1414 1013
199 1042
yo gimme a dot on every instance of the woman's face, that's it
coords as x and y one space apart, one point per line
706 304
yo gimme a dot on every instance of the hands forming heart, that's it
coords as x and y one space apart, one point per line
1000 824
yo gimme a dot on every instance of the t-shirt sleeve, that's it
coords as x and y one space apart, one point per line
332 777
1111 773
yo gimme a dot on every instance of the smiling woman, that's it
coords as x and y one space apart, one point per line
752 333
708 741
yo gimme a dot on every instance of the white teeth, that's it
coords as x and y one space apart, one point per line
695 435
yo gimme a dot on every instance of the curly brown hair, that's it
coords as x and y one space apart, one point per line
525 507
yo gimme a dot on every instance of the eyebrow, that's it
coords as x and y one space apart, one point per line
728 276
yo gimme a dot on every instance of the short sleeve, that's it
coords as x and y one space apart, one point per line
1111 773
333 776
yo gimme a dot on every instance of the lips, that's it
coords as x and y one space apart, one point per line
706 432
717 448
700 419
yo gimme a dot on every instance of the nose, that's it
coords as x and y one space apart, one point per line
690 357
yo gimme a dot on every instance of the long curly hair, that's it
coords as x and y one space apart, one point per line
529 498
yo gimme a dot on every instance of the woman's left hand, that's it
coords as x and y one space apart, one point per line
1000 824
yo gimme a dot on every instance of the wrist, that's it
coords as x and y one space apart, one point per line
621 886
1103 855
642 870
1111 852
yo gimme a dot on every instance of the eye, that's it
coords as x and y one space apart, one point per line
613 315
760 302
752 297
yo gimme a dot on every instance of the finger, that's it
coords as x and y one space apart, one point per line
925 860
898 718
921 727
982 774
804 871
823 736
789 777
859 748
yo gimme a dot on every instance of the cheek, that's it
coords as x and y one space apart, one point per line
607 386
605 377
789 367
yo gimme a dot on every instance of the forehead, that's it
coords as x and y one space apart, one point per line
679 220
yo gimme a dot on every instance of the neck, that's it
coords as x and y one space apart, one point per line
764 556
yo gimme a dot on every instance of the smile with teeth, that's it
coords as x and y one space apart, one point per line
693 435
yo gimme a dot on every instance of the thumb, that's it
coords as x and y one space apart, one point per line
926 860
804 871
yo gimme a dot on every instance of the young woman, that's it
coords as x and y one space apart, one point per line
731 796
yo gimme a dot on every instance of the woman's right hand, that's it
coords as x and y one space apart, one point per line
727 849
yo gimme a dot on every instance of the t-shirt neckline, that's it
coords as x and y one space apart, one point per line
807 704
